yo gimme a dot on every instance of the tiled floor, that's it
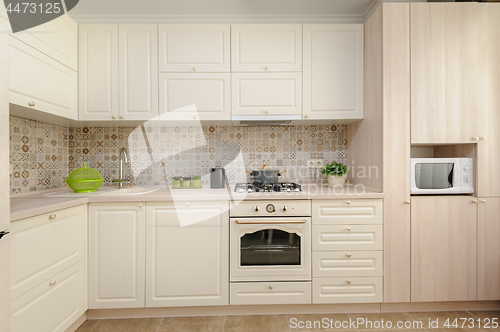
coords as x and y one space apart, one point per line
290 323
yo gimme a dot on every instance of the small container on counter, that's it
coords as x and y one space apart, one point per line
196 181
177 181
217 178
186 182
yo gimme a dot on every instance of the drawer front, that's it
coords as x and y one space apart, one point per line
347 263
271 293
54 307
355 211
346 237
347 290
285 208
45 245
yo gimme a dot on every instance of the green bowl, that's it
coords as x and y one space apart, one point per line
84 186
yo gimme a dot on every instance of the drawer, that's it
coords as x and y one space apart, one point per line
54 307
285 208
347 290
355 211
45 245
347 263
346 237
271 293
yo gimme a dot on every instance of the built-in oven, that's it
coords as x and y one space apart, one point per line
270 241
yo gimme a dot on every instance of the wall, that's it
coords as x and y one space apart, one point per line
159 153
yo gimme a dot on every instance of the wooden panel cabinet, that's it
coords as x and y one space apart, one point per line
333 71
266 47
39 82
330 264
347 290
443 248
187 254
341 212
201 48
444 75
116 255
266 293
346 237
195 96
488 251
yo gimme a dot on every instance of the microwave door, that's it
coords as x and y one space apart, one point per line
435 178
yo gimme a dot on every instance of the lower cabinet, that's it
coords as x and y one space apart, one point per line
253 293
187 254
116 255
347 290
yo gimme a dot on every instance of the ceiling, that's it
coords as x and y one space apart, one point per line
225 11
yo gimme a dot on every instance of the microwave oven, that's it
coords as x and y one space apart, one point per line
442 176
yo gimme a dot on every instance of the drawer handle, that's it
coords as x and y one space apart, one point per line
140 205
52 283
52 217
267 68
348 282
121 117
407 202
348 229
113 117
482 200
187 203
474 201
348 255
32 104
194 68
348 202
271 287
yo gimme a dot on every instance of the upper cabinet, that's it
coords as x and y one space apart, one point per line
266 47
194 48
118 72
444 75
333 71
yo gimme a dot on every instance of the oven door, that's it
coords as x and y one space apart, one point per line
270 249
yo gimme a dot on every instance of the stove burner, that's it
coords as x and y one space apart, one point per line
276 187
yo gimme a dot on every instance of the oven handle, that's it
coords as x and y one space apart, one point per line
261 222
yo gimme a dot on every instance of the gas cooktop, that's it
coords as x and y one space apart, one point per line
258 187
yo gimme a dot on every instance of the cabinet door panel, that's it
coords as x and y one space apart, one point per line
347 290
116 255
195 96
443 73
346 237
187 263
36 78
266 293
266 47
138 74
356 211
98 58
333 71
194 47
347 264
488 254
443 248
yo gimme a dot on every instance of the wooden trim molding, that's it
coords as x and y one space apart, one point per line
77 323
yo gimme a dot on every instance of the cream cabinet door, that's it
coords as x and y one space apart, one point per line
116 255
266 47
347 237
333 71
347 263
265 293
443 248
347 290
57 39
444 75
187 254
194 48
138 71
196 96
353 211
98 71
267 94
39 82
488 249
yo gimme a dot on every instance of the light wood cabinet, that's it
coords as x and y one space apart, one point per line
488 249
116 255
195 96
30 86
187 254
333 71
443 248
266 47
201 48
444 75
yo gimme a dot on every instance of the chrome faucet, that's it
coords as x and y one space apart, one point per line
123 160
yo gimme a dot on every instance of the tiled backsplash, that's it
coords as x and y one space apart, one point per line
159 153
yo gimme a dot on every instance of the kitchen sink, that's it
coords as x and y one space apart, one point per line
104 192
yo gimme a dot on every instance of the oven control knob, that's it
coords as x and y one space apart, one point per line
256 208
270 208
467 169
285 208
466 178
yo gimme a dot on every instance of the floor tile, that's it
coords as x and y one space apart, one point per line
318 322
384 321
192 324
441 317
128 325
88 325
261 323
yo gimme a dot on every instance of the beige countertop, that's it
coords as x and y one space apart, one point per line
28 205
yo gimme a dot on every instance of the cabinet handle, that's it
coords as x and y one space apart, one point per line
194 68
140 205
475 138
32 104
348 202
256 208
306 116
121 116
194 117
348 255
113 117
52 283
348 229
482 201
52 217
267 68
482 138
407 202
348 282
271 287
474 201
187 203
267 111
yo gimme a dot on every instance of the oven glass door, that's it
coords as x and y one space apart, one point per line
270 247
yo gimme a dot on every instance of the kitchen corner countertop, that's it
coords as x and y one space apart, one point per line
28 205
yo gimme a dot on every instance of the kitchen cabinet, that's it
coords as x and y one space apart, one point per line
347 237
444 73
201 48
266 293
347 290
488 250
118 72
116 255
443 248
30 87
195 96
333 71
266 47
356 211
267 94
187 254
